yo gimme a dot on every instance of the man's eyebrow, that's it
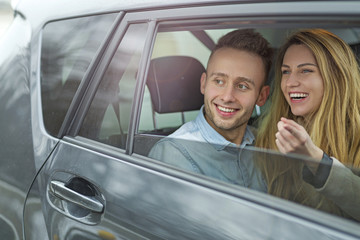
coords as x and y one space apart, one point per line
240 79
248 80
219 74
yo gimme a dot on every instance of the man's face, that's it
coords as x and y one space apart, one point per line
231 88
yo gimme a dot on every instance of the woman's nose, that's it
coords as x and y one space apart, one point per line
292 81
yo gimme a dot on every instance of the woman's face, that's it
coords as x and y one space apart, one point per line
301 82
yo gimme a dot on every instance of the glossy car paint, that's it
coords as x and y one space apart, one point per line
141 198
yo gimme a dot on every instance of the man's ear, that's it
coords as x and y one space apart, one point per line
263 95
202 82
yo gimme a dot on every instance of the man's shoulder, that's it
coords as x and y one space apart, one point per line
188 131
182 139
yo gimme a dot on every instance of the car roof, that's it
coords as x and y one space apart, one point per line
45 9
39 12
92 6
57 9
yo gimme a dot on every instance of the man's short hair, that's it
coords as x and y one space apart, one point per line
250 41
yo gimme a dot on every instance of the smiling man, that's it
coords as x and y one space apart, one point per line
234 82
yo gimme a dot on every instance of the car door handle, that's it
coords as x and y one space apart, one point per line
61 191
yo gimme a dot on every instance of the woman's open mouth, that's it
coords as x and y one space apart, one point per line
298 97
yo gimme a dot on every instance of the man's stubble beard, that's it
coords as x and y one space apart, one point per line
209 116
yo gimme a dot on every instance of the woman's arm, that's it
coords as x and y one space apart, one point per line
328 175
343 188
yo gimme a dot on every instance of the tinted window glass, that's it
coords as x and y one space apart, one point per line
109 115
244 167
67 49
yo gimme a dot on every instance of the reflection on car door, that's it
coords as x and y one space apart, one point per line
90 193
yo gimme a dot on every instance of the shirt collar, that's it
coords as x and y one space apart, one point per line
216 139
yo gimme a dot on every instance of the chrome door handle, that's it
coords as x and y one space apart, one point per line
59 190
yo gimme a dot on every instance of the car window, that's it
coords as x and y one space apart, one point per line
108 118
173 53
68 47
179 58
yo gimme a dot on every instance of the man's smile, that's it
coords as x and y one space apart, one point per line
226 111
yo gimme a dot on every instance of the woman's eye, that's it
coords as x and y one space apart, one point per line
285 71
307 70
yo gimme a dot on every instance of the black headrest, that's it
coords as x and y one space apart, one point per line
174 84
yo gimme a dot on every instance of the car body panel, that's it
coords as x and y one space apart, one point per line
154 205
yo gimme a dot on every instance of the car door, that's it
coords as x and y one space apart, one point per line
98 182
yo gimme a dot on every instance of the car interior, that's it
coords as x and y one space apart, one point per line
167 87
174 86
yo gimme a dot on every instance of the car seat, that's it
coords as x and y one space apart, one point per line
174 85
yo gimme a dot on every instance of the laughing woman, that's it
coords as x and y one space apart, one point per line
315 112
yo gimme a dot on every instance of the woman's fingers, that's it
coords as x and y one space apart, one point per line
285 141
291 137
280 146
284 145
297 131
287 132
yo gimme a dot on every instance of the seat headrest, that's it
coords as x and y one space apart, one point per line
174 84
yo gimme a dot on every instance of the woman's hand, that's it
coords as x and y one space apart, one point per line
293 138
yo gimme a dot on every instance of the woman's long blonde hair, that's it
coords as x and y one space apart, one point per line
335 127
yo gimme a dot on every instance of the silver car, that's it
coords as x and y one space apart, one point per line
80 113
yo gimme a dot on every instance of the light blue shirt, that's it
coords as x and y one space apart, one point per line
198 147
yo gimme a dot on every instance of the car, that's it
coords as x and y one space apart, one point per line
88 87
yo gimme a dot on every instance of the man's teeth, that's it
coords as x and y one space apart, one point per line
226 109
298 95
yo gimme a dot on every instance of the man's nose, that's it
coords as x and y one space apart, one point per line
228 93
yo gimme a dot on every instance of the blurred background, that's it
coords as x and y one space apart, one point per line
6 15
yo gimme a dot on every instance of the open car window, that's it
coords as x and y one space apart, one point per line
172 93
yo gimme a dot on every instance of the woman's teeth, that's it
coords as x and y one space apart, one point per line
298 95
